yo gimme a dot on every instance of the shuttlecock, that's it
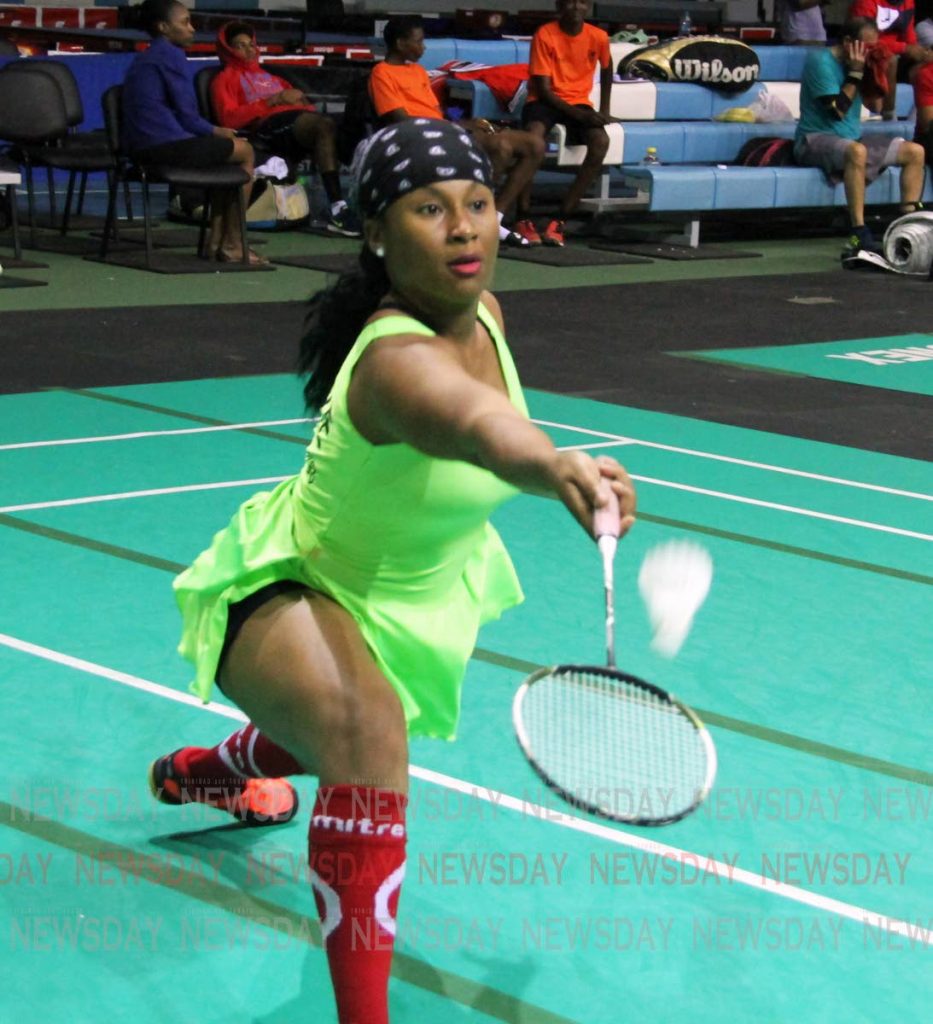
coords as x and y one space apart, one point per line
674 580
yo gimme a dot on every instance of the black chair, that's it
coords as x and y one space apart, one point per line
202 88
9 179
85 141
223 177
34 118
32 114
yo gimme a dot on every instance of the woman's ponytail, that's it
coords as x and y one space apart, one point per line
335 317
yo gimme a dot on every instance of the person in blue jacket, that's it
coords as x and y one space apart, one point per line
161 122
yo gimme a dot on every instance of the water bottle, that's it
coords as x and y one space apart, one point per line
650 159
686 24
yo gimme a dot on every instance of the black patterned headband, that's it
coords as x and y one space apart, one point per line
410 155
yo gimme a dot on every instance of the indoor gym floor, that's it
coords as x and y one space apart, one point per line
139 410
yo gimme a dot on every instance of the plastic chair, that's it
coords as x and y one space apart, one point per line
86 141
35 119
224 176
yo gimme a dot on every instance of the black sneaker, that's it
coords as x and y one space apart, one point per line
862 240
341 221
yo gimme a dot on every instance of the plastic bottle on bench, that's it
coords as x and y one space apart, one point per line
686 24
650 159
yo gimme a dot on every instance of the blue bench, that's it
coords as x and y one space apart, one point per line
482 51
694 190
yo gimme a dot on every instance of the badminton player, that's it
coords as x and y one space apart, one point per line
339 610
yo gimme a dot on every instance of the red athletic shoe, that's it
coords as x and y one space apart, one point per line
528 231
255 802
554 233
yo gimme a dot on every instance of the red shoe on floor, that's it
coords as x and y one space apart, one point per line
554 233
255 802
528 231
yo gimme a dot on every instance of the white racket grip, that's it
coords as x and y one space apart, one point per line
606 520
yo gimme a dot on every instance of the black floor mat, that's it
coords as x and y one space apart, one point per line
667 251
568 256
19 282
176 263
12 263
63 245
169 237
329 262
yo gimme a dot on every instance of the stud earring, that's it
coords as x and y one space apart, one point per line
380 251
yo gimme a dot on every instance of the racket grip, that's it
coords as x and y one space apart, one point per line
606 520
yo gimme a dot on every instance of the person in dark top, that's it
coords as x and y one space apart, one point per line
161 123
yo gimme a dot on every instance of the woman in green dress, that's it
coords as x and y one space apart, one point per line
339 610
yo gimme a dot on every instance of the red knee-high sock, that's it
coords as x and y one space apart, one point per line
356 854
245 754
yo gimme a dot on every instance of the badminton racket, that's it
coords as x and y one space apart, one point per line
608 742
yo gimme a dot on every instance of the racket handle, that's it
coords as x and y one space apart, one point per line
606 520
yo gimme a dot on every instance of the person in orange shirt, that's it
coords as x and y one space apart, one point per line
400 88
276 117
564 55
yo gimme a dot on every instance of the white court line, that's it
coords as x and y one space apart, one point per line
157 491
139 434
92 498
743 462
913 932
154 492
615 439
785 508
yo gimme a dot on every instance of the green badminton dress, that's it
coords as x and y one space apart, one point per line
401 540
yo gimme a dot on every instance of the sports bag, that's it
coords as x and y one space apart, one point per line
277 206
720 63
767 151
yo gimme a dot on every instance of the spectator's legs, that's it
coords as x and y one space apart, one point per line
854 181
887 107
225 219
316 134
597 145
910 157
528 152
538 130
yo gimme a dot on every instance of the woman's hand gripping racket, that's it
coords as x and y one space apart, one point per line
608 742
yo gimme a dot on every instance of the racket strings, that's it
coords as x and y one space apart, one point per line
613 745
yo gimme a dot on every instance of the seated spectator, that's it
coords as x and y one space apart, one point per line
829 131
400 88
564 55
923 93
897 35
802 22
161 123
276 117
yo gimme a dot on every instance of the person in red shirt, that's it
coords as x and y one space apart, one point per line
564 56
923 96
276 117
898 38
400 88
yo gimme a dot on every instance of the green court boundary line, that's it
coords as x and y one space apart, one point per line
789 549
759 732
455 987
178 414
709 531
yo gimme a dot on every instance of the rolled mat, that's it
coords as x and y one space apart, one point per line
908 243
